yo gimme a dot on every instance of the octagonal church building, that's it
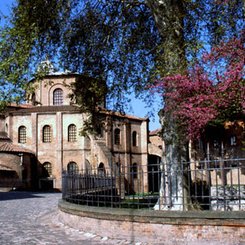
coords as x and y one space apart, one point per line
41 138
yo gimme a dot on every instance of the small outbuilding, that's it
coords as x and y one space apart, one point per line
17 165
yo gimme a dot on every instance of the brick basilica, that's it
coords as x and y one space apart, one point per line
40 139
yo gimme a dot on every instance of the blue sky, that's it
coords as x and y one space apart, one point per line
4 6
139 108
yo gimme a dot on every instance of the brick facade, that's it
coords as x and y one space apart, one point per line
59 152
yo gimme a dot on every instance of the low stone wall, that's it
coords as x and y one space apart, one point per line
157 227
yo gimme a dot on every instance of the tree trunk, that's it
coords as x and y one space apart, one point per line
168 15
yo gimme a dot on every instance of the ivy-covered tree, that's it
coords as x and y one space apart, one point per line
128 44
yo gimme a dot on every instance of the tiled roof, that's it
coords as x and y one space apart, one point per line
43 109
155 132
20 105
118 114
68 108
6 145
10 147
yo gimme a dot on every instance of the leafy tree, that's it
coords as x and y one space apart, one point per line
205 95
125 43
115 42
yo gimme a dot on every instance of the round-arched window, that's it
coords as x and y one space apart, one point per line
46 134
47 169
117 139
58 97
22 134
72 168
101 169
72 133
134 138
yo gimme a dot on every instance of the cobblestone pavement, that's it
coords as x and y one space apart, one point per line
30 218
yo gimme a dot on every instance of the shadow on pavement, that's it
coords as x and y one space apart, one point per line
21 195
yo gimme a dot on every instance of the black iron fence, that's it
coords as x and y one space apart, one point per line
203 185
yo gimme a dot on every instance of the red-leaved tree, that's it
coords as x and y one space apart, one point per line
212 90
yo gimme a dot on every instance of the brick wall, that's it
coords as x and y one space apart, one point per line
157 227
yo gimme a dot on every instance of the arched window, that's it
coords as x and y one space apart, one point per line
72 168
72 133
46 134
134 138
134 170
22 134
101 169
117 136
58 97
48 169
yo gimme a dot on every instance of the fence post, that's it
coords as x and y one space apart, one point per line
64 185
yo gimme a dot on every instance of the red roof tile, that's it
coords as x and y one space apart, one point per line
69 108
155 132
10 147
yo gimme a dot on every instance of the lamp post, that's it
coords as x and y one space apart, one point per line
21 165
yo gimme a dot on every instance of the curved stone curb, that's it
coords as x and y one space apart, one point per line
157 227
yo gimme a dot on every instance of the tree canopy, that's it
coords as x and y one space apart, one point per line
115 42
125 43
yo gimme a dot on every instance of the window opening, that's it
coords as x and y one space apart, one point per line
46 134
134 136
117 136
72 168
58 97
22 135
48 169
72 133
101 169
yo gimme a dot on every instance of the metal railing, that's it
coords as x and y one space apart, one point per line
199 185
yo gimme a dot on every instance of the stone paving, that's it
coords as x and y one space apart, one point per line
31 218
